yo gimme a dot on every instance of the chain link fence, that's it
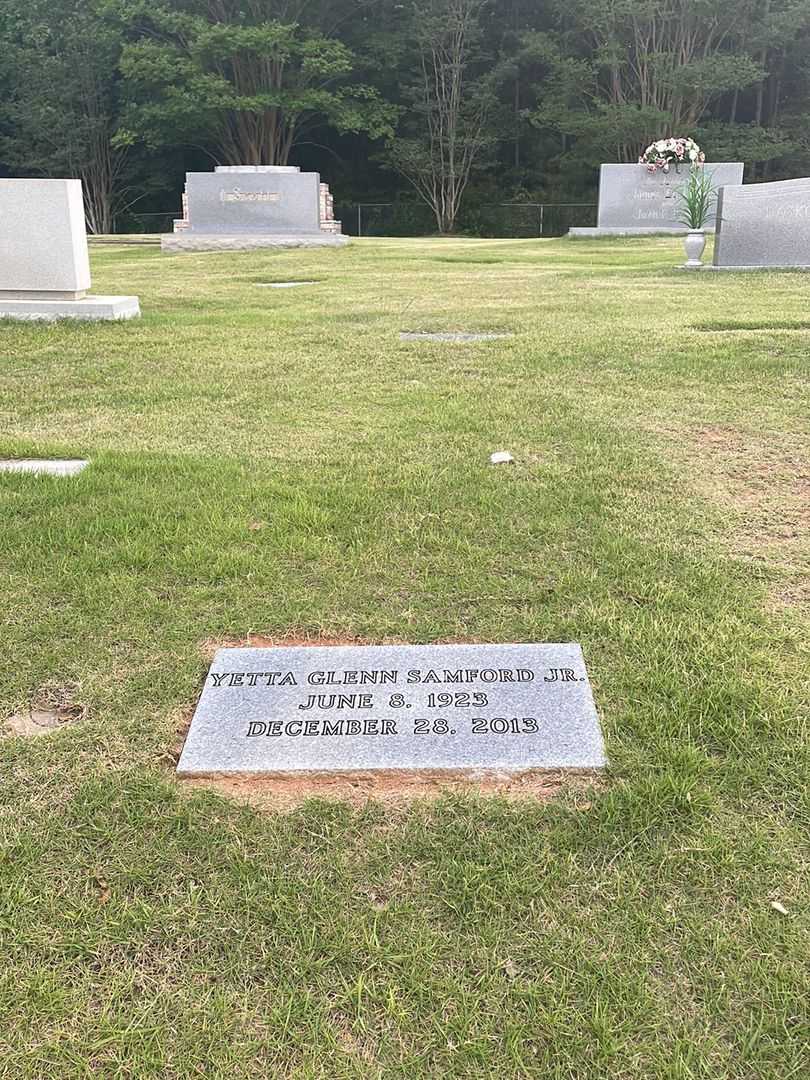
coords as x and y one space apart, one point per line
147 223
508 220
534 219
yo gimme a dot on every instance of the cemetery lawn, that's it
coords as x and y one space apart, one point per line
278 462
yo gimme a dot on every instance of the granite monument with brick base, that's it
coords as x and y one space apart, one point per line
241 207
636 202
44 263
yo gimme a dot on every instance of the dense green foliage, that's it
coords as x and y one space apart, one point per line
129 94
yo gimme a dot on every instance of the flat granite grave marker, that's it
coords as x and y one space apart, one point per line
636 202
452 335
44 466
282 284
469 709
763 226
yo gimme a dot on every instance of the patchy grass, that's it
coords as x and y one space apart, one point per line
278 463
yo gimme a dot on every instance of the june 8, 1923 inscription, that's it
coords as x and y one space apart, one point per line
340 709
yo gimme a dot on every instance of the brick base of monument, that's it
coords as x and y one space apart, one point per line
191 241
89 307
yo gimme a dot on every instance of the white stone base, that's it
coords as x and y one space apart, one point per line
615 231
91 307
761 269
190 241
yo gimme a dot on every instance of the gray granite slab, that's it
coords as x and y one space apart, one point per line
631 197
459 335
44 466
90 308
474 709
764 226
271 201
177 243
282 284
596 233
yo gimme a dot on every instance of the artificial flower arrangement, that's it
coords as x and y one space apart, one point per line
666 152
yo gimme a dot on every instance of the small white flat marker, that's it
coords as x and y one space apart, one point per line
44 466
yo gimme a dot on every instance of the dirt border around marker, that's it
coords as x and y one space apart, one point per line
296 639
392 788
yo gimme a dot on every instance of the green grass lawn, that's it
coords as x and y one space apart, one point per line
278 462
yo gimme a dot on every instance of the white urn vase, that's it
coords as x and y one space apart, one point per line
694 244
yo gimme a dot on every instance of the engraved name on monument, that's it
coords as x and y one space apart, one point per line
460 708
630 195
237 195
267 201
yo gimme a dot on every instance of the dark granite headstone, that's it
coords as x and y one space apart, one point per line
473 709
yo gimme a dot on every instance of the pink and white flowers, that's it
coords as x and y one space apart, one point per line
665 152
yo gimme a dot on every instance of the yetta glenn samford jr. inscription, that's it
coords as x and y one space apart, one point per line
469 708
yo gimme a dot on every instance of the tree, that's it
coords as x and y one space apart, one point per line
60 114
242 75
654 67
446 132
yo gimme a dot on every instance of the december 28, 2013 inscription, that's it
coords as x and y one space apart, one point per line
454 707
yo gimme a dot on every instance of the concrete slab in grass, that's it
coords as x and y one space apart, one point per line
453 335
44 466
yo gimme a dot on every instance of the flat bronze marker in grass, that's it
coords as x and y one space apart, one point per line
466 709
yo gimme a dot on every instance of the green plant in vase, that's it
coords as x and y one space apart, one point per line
698 198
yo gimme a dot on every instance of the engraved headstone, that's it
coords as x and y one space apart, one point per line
44 263
239 207
764 225
635 202
468 709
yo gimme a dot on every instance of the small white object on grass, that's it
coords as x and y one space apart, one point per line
501 457
779 907
46 467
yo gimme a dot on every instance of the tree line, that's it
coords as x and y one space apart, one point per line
452 103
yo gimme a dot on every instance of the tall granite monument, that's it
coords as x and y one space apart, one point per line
636 202
241 207
44 263
763 226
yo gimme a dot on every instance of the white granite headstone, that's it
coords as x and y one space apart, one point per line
44 262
